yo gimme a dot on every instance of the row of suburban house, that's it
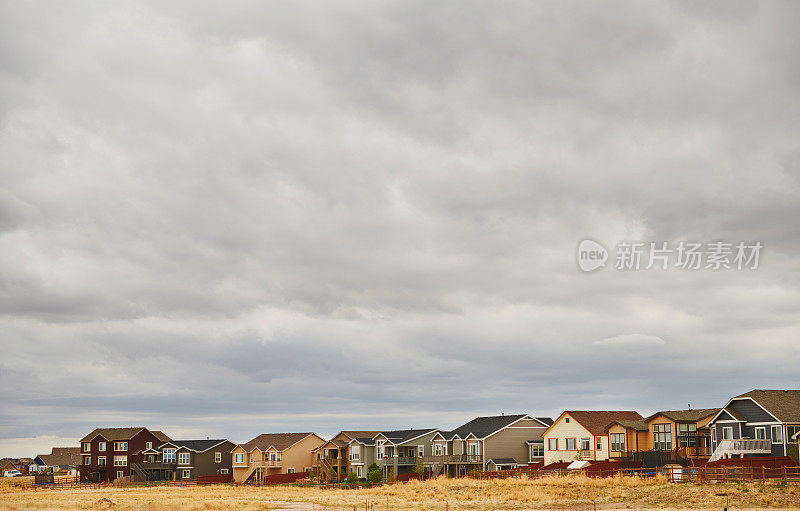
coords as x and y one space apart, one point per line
757 423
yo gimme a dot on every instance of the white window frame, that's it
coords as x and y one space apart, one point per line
420 451
531 447
168 455
438 450
588 444
727 428
238 458
103 458
217 457
223 471
120 446
184 458
355 452
359 471
101 446
87 460
186 473
552 444
779 429
574 444
148 445
87 447
120 461
120 474
290 470
763 431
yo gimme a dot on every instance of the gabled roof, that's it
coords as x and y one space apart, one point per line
195 445
363 441
596 421
62 456
399 436
278 441
503 461
692 415
121 434
350 436
634 425
482 427
784 405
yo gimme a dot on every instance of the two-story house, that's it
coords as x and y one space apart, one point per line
685 433
184 460
582 435
756 423
107 453
60 459
274 453
331 457
401 451
488 443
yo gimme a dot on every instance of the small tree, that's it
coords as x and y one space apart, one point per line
374 476
419 467
372 467
352 478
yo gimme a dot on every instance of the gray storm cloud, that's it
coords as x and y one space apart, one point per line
230 219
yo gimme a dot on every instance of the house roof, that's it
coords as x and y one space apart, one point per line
365 441
350 434
545 420
482 427
783 404
196 445
399 436
595 421
640 425
118 434
62 456
278 441
692 415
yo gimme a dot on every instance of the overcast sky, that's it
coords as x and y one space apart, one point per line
224 219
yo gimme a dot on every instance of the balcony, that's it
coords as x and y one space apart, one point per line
398 460
729 448
455 458
272 463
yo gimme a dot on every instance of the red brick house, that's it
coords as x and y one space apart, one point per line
107 453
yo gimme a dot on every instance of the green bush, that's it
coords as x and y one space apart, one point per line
352 478
374 476
372 467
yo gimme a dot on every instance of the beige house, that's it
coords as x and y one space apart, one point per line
684 431
582 435
274 453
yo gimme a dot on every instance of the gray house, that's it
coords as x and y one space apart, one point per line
395 452
184 460
496 442
756 423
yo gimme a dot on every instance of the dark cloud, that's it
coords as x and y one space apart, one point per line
224 220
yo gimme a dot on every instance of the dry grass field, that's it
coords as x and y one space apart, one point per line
574 492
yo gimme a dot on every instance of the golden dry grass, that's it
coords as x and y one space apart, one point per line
574 492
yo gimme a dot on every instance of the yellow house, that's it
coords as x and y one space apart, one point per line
581 435
274 453
685 432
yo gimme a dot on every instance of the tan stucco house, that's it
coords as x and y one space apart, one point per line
274 453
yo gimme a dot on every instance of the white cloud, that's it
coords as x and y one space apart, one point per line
631 340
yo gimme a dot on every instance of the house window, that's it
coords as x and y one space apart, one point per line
217 457
585 444
359 472
791 431
727 433
186 473
662 437
566 420
290 471
571 444
120 461
101 460
101 446
223 471
120 474
473 449
183 458
437 449
148 445
687 434
552 444
87 447
251 457
761 433
87 460
355 452
169 455
421 450
238 458
777 434
617 442
120 446
537 450
599 443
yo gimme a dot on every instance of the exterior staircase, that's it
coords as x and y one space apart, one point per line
737 448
